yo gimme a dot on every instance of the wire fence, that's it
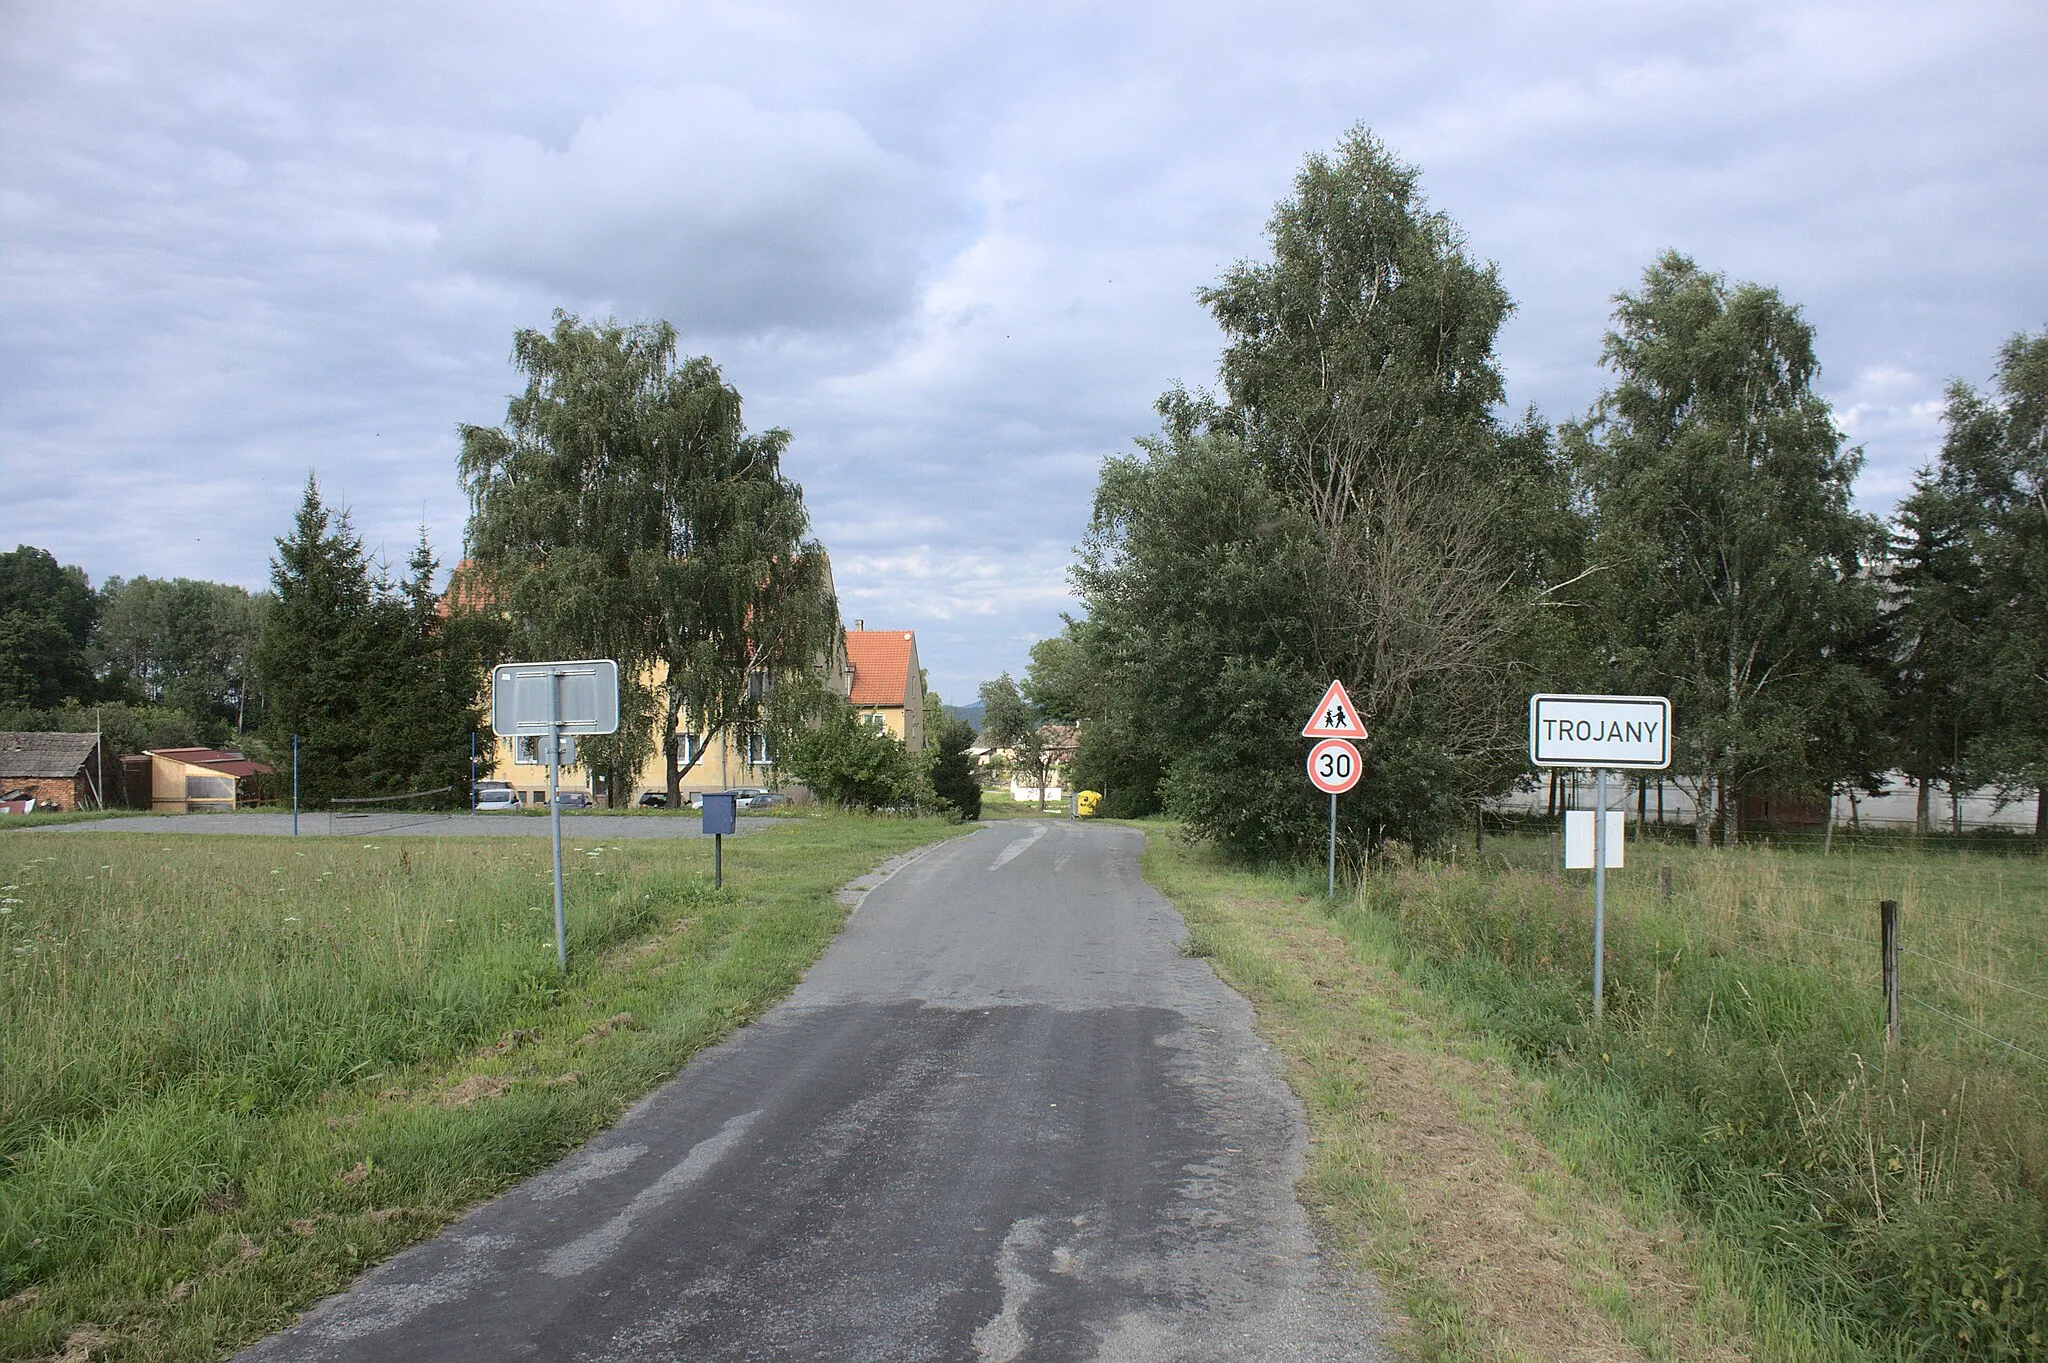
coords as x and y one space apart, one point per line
1863 979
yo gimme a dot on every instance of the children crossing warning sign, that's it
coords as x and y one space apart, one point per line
1335 716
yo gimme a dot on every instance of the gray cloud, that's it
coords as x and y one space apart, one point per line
953 249
698 205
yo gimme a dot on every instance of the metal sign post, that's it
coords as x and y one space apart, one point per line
554 700
555 818
721 809
1599 892
1333 764
1630 732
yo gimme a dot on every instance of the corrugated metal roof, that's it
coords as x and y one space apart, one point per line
214 759
44 756
881 665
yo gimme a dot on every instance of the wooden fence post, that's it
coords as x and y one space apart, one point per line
1664 882
1888 947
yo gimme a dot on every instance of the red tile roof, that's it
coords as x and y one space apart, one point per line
881 665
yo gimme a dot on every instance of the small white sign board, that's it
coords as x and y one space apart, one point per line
531 750
1628 732
582 696
1578 839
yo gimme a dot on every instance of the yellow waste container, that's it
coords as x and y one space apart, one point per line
1085 802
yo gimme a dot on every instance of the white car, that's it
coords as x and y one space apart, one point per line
496 798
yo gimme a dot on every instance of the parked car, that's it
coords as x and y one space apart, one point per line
653 799
767 799
572 799
491 799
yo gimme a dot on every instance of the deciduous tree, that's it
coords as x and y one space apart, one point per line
1733 559
47 615
623 510
1350 507
183 643
1995 457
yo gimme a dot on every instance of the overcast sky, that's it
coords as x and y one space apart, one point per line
953 248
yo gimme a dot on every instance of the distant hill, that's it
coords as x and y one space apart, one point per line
971 713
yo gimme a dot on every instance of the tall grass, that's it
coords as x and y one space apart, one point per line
1903 1190
238 1069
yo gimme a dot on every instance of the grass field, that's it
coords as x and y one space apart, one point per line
41 819
1737 1128
239 1070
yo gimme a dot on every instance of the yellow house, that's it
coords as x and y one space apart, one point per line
888 685
875 669
716 762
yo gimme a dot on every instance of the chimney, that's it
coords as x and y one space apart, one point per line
860 626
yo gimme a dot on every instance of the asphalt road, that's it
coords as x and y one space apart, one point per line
457 825
1003 1118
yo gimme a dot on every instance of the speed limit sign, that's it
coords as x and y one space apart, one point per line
1333 766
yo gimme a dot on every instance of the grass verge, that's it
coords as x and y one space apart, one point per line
1733 1164
241 1070
1427 1161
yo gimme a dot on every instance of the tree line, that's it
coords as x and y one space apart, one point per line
1351 503
155 662
622 509
376 682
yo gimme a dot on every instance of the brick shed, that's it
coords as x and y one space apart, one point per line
67 771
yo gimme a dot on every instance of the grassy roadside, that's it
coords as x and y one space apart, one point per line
240 1070
1439 1165
1808 1193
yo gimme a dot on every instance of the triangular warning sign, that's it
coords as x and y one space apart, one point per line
1334 717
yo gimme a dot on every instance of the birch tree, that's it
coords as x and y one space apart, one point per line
1720 492
623 510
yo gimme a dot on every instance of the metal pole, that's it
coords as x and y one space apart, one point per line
1333 843
718 861
295 786
1888 947
1599 889
555 815
472 769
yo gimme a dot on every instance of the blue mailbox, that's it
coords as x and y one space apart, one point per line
721 809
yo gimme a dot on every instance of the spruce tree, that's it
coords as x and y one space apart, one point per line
320 654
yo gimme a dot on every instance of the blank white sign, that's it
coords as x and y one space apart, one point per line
1578 839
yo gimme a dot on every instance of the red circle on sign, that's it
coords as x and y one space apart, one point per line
1333 766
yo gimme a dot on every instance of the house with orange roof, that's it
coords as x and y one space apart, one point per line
888 685
885 685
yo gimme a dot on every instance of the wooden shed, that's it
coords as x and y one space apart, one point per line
200 780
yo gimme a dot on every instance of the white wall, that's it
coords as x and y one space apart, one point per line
1895 808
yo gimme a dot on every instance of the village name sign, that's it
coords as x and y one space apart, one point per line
1631 733
1604 732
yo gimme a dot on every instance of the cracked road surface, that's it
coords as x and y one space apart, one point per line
1002 1118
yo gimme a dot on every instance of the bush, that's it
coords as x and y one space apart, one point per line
953 770
848 762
